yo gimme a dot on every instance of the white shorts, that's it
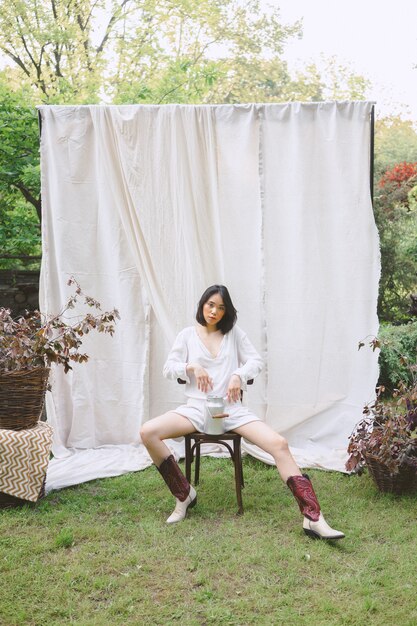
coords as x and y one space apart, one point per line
239 415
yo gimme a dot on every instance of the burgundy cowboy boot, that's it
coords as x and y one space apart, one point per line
314 523
179 486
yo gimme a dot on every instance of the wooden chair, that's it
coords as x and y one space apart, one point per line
193 447
230 440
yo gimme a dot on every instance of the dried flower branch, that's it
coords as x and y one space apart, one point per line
38 340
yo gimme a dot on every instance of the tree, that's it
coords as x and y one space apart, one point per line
87 50
396 215
327 81
200 51
20 204
50 42
19 149
395 142
240 62
396 218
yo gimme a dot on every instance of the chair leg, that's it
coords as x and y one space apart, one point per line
237 460
193 455
239 454
188 458
197 462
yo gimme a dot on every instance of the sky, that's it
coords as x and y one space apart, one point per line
374 38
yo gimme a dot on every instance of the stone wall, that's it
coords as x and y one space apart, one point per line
19 290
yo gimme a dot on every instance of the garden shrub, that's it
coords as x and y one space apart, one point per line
396 342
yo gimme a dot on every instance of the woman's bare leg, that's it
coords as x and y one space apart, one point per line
166 426
153 433
267 439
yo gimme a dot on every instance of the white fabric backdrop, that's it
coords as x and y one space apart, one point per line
148 205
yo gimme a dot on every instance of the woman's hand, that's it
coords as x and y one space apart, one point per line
233 390
204 382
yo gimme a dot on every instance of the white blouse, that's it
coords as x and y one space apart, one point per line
236 356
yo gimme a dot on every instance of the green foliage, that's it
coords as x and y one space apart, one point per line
396 219
337 82
19 153
160 51
52 46
396 342
395 207
395 142
398 243
203 52
156 50
20 204
19 235
387 434
19 148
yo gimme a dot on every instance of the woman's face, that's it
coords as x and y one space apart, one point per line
213 310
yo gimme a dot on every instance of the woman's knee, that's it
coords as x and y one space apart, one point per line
147 432
280 444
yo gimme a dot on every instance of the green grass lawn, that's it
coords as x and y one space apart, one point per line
101 554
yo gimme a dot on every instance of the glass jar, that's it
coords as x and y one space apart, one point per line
214 406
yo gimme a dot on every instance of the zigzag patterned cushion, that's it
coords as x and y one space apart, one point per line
24 458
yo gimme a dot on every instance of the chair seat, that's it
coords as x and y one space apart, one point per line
226 439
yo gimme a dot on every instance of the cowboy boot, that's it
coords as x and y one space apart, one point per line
179 486
314 524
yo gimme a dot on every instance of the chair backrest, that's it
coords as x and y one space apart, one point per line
180 381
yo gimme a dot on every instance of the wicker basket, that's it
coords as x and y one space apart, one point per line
22 396
405 482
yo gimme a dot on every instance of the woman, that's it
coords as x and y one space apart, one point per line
215 356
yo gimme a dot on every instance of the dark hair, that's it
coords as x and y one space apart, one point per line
230 316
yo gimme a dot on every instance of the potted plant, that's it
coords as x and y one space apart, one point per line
28 346
385 440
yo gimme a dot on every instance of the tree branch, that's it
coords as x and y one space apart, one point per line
16 59
36 202
89 16
112 21
23 40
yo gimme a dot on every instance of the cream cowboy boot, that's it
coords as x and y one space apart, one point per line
185 494
314 524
